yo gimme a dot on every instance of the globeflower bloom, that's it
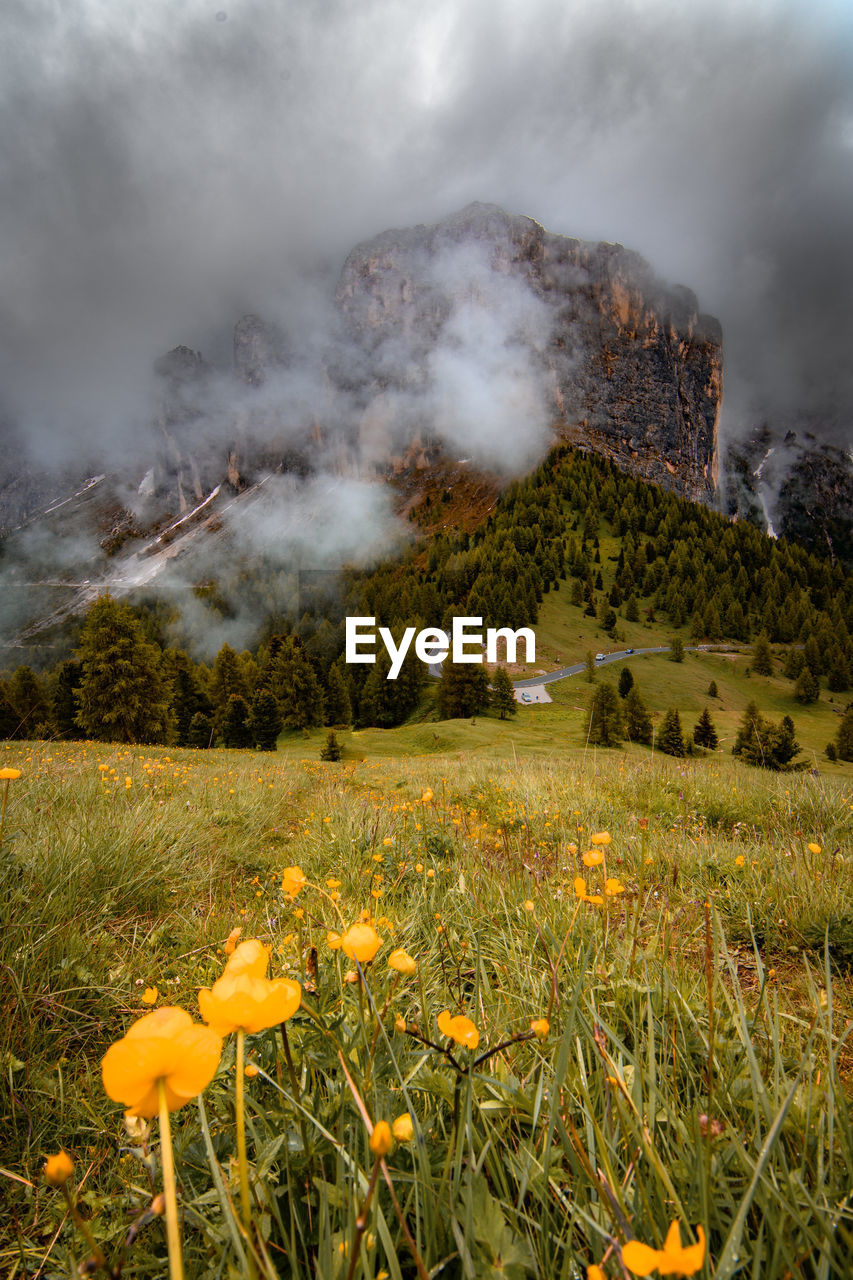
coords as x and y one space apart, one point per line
9 775
672 1260
381 1140
164 1045
540 1028
293 880
600 837
460 1029
58 1169
403 1128
244 1001
249 958
402 962
593 858
361 942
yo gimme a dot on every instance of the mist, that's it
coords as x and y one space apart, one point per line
167 169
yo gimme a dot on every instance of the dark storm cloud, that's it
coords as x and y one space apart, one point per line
166 167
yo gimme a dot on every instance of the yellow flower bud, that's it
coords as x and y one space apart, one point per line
381 1140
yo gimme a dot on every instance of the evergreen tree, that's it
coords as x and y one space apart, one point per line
844 739
762 659
188 697
670 739
638 722
122 696
794 663
503 694
9 722
295 685
807 689
338 705
236 731
676 649
704 733
712 690
265 720
200 733
28 699
64 704
632 610
332 748
626 682
605 727
463 690
227 678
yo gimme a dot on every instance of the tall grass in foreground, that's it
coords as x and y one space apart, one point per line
696 1065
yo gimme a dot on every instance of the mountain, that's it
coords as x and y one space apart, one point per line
462 350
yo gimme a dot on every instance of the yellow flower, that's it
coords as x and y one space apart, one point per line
672 1260
426 797
593 858
528 906
399 1023
250 958
739 860
381 1140
58 1169
332 883
7 774
813 848
580 887
293 880
594 1272
460 1029
402 962
600 837
334 940
402 1128
361 942
150 995
250 1070
243 999
164 1045
613 886
540 1027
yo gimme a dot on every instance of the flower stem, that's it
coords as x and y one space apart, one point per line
3 814
243 1164
176 1266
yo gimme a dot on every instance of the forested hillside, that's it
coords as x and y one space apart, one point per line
623 552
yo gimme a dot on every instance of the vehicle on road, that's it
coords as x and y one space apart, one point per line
525 697
599 657
629 650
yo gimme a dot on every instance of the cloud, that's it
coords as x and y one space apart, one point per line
166 169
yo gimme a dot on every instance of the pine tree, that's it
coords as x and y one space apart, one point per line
638 722
200 733
704 732
794 663
122 695
503 694
338 705
463 690
265 720
712 690
676 649
605 727
844 739
226 678
632 609
626 682
28 698
332 748
64 704
295 685
762 659
235 731
807 689
670 739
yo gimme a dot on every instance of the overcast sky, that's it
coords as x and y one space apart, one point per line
167 166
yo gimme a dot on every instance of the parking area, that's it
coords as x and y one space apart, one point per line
533 693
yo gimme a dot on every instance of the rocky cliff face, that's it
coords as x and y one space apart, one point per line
630 368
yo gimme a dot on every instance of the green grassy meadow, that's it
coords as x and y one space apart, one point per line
697 1065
